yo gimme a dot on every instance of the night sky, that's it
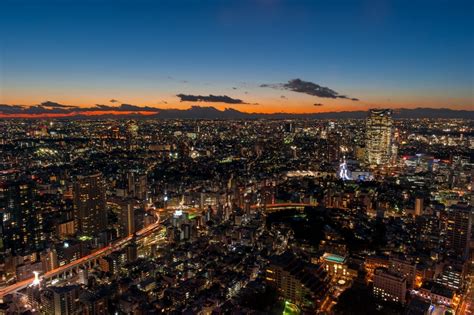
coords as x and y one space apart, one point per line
254 56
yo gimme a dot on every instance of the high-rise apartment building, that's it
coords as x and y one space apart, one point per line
458 228
22 218
378 136
301 283
60 300
90 213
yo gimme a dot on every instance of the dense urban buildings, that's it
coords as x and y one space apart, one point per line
121 216
236 157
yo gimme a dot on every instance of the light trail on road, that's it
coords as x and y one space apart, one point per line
116 246
76 263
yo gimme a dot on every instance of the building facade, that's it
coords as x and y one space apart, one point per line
458 228
22 218
90 213
301 283
378 137
389 286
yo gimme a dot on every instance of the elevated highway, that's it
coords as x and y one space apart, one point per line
86 261
91 260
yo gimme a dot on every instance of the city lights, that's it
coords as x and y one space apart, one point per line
236 157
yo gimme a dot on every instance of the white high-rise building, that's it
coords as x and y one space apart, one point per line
389 285
378 136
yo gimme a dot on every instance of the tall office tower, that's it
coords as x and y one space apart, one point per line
132 134
2 235
458 228
90 213
289 127
419 206
127 216
137 184
333 146
378 136
22 218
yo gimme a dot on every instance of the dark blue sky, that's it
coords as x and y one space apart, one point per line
383 52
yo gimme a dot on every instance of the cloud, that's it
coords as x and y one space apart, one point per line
114 101
234 88
318 104
210 98
54 105
121 108
284 97
174 79
48 108
306 87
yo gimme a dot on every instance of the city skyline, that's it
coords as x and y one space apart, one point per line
325 57
236 157
299 216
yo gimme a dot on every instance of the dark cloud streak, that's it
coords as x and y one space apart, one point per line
306 87
210 98
54 105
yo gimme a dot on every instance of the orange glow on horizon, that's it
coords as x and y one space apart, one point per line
295 104
73 114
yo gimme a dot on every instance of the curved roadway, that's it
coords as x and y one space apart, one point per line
103 251
111 248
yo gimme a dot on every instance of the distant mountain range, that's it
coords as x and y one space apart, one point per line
199 112
55 110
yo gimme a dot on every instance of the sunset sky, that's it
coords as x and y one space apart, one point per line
146 53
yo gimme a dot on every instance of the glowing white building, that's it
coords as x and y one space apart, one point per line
343 172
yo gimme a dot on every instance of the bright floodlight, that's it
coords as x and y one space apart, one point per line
36 280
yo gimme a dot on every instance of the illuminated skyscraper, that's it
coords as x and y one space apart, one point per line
90 213
22 218
378 136
458 228
132 133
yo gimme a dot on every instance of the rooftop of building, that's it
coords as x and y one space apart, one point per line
438 289
334 258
